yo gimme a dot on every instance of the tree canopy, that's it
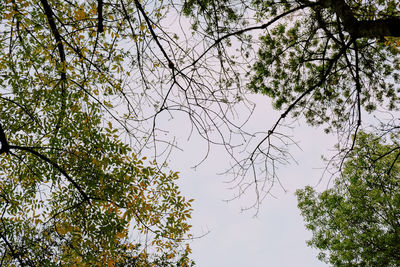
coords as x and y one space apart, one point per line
332 62
328 62
73 189
88 88
356 222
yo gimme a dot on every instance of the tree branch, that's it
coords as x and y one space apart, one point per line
5 147
259 27
100 26
379 28
150 28
14 253
364 28
50 18
324 75
55 165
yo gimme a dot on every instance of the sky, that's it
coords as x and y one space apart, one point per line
276 236
228 236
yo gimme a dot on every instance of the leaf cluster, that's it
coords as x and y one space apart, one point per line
72 189
309 59
356 222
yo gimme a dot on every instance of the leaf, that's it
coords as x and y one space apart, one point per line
80 13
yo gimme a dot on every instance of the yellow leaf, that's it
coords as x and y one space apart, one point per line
61 230
120 235
80 14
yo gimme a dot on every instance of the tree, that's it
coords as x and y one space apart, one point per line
73 189
326 61
333 67
356 222
84 84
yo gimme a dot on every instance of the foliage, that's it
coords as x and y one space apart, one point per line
328 62
73 189
89 87
327 68
356 222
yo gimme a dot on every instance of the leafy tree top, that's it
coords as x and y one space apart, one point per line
74 190
356 222
329 60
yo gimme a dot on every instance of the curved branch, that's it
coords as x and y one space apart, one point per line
55 165
260 27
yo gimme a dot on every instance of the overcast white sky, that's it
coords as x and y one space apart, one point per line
276 237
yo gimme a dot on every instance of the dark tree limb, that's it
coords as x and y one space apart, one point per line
392 164
63 63
55 165
364 28
150 27
100 26
14 253
50 18
5 147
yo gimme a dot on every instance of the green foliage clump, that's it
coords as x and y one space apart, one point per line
356 222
